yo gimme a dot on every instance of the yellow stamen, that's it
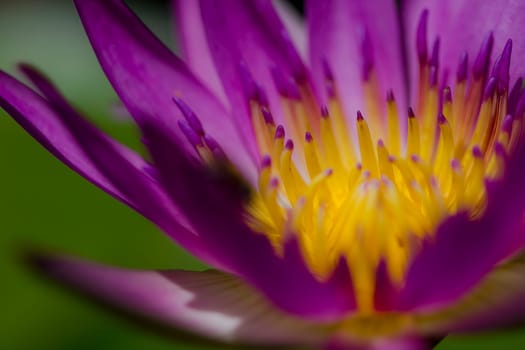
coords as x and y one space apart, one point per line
366 147
413 135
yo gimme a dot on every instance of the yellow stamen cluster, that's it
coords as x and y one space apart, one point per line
368 193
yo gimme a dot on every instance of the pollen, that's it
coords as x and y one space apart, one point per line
374 186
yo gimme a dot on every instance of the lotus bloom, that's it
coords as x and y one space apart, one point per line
372 199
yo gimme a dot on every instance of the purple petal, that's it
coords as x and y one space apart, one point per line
247 38
337 29
496 303
194 46
104 162
463 24
464 251
39 118
146 76
207 304
213 201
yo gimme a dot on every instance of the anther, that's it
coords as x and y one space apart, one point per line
421 38
285 84
266 162
390 96
413 133
190 133
324 112
329 79
506 125
249 86
482 60
368 157
279 132
434 58
447 95
490 88
476 152
515 94
461 74
214 147
520 106
433 76
501 68
190 116
267 116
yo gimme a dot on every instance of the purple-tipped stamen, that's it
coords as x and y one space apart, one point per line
289 145
308 137
500 151
285 84
214 147
390 96
411 113
462 72
447 94
329 79
442 119
266 162
190 116
415 158
514 95
324 112
455 164
267 115
433 76
476 152
249 86
421 38
506 125
481 63
190 134
279 132
501 68
434 57
520 106
490 88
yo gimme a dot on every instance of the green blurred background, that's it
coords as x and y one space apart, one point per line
45 204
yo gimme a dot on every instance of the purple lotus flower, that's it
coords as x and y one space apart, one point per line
333 216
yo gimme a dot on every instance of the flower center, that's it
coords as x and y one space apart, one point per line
373 188
370 194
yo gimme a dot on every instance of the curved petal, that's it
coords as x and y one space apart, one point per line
496 303
146 76
206 304
471 248
38 117
194 46
463 24
104 162
213 200
248 38
347 35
